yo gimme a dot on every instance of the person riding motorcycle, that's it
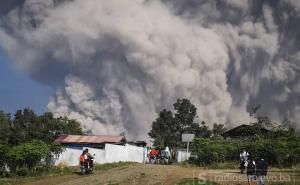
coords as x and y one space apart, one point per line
89 159
86 162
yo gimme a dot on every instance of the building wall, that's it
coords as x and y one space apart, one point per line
111 153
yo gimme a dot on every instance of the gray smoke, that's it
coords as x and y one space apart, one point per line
116 63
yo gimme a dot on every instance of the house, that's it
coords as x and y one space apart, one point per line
93 141
137 143
105 148
244 131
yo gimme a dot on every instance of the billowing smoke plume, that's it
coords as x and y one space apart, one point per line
117 63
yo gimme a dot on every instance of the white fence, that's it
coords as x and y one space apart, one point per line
181 155
111 153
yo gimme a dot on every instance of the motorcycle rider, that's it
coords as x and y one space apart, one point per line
86 162
82 158
88 159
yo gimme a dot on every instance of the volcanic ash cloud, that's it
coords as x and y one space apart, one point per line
116 64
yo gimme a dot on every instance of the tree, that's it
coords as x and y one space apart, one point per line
69 126
24 127
5 131
3 152
49 127
203 130
27 126
218 129
185 113
165 131
27 138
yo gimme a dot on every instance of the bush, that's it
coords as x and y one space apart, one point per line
27 155
23 171
49 169
279 152
3 151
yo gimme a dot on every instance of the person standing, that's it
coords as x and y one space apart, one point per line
250 170
243 160
168 153
261 171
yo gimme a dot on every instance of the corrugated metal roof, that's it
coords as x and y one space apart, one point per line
90 139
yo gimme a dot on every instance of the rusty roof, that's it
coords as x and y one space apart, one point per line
90 139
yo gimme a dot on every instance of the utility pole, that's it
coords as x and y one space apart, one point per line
187 150
187 138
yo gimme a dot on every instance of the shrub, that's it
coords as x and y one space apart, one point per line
23 171
279 152
3 151
27 155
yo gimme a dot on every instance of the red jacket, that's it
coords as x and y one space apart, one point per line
153 152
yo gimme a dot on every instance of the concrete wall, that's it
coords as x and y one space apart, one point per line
111 153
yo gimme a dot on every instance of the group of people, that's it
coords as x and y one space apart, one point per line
254 170
86 162
157 156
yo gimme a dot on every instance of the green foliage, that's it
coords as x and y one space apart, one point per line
215 150
218 129
27 126
280 152
56 148
27 155
224 165
203 130
3 151
23 171
167 128
69 126
165 131
107 166
4 127
185 113
27 139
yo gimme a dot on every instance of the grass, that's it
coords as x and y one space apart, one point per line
107 166
224 165
45 172
195 182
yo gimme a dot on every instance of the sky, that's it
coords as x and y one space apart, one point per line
18 91
114 65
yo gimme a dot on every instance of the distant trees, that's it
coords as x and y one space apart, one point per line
185 113
280 146
26 138
26 126
218 129
5 124
167 128
165 131
279 151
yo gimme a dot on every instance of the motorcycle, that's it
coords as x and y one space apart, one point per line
162 157
87 167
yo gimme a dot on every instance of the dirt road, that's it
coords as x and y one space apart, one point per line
141 174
